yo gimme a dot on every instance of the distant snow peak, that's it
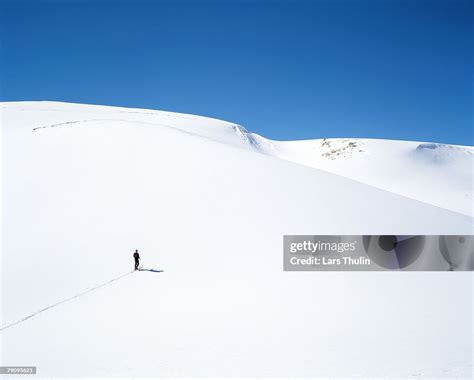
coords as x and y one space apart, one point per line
442 153
340 148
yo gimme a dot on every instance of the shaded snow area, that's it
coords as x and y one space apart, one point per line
206 203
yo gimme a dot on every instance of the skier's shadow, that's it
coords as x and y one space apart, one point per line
150 270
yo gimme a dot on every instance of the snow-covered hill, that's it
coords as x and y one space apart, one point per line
438 174
83 186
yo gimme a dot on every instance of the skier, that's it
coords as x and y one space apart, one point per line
136 256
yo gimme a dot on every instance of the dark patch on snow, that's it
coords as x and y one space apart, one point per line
340 148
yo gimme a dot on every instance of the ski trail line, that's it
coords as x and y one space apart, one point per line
64 301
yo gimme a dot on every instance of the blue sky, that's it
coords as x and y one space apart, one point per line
284 69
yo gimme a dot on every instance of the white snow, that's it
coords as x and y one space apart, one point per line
84 186
439 174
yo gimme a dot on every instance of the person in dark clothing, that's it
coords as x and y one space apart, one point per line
136 256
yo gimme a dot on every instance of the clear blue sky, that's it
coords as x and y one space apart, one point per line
284 69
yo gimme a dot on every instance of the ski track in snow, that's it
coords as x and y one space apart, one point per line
250 140
155 113
109 119
64 301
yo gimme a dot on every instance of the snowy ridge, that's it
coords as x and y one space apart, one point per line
440 153
438 174
256 142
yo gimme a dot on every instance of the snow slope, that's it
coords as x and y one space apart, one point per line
83 186
438 174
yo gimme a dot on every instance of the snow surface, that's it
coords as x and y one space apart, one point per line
439 174
208 202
